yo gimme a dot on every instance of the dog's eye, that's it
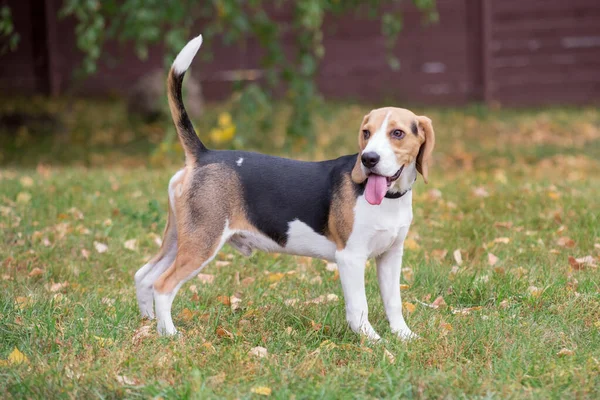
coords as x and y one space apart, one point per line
366 134
397 134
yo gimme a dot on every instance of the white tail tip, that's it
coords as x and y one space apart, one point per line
186 55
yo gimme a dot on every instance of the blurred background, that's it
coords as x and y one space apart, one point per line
83 81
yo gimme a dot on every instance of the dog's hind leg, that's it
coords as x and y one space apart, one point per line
196 249
145 276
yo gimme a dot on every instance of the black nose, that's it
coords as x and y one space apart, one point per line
370 159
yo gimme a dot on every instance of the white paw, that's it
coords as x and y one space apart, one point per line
166 329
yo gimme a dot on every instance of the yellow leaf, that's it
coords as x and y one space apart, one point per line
104 342
262 390
404 286
186 314
224 119
23 198
275 276
411 244
22 301
16 357
409 307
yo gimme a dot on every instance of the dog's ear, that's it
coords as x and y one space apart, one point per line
358 174
427 146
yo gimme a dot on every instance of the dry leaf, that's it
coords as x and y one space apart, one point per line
407 273
457 257
224 333
216 380
492 259
439 302
186 314
275 276
16 357
124 380
411 244
323 299
565 242
505 225
206 278
404 286
331 267
503 240
100 247
390 357
247 281
504 304
534 291
261 390
26 181
36 272
141 333
22 302
131 244
235 302
23 198
220 264
582 263
466 310
565 352
290 302
439 254
258 351
85 253
408 307
55 287
104 342
480 192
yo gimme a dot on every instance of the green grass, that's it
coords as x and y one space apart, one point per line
539 168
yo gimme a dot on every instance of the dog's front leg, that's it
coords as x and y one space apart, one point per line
389 266
352 275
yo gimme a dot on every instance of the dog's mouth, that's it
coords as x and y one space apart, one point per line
377 186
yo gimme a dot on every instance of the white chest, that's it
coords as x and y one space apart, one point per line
376 228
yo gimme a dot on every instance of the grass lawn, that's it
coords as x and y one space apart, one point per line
512 196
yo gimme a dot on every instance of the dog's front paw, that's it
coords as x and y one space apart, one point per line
165 329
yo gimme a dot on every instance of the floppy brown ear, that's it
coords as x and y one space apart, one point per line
358 175
426 148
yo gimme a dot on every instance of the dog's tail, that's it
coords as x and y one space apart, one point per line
192 145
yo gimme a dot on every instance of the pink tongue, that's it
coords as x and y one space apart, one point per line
376 189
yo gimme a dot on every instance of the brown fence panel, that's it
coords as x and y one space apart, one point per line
542 51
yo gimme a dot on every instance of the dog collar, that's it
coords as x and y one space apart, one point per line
396 195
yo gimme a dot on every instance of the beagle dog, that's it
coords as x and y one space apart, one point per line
345 210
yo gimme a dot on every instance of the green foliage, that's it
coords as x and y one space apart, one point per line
236 21
9 39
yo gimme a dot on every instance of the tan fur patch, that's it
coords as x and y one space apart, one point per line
211 197
341 214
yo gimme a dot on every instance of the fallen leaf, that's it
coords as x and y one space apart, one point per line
565 241
100 247
275 276
390 357
407 273
582 263
224 333
141 333
503 240
193 289
261 390
258 351
505 225
519 272
124 380
16 357
408 307
290 302
186 314
331 267
445 328
439 302
404 286
492 259
206 278
22 302
534 291
58 286
457 257
131 244
504 304
439 254
247 281
26 181
564 352
411 244
323 299
480 192
36 272
85 253
220 264
23 198
466 310
315 326
235 302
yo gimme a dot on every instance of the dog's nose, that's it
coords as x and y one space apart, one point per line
370 159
